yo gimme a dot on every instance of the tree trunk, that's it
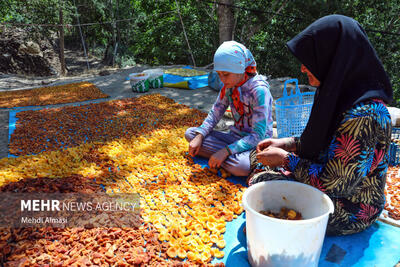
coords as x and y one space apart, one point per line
118 16
114 34
62 58
226 20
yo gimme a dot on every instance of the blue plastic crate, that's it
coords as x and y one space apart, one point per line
293 110
394 150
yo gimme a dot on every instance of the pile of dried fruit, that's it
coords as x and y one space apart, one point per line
53 129
82 247
392 193
145 153
184 72
397 141
284 213
70 184
67 93
85 189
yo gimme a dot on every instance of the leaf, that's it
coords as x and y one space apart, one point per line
338 178
355 127
347 148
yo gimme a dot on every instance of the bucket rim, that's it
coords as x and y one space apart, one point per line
246 207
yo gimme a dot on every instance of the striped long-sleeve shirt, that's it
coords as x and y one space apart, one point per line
251 106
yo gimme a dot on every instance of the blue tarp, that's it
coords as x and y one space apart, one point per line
193 82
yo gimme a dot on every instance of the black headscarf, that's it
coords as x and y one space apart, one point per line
338 53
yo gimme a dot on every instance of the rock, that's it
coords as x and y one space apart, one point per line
33 48
30 48
104 73
19 54
54 72
22 49
45 82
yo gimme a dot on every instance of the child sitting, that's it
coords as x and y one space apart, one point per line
248 96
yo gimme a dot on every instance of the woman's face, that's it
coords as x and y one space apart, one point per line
230 79
311 78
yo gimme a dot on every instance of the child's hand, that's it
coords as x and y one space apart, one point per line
195 145
217 158
272 157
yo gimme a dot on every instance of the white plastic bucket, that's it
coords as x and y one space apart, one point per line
277 242
139 82
156 79
137 77
154 73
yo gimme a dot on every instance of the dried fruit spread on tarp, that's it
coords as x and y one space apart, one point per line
392 193
137 246
139 146
50 95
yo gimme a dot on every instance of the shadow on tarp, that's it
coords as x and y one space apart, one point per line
379 245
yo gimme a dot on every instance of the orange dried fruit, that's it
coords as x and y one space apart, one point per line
172 252
205 256
181 253
214 238
221 243
192 256
218 253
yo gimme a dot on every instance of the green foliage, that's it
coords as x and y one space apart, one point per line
125 61
153 33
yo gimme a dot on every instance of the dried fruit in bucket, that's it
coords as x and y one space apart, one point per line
285 214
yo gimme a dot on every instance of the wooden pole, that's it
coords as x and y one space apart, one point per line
184 32
61 31
114 35
80 33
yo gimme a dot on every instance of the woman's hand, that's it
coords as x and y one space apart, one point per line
195 145
287 144
217 158
272 156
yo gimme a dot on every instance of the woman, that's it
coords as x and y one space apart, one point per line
248 96
343 150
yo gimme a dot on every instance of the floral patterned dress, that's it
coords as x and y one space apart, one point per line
352 170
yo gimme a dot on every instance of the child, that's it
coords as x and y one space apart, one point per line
248 96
